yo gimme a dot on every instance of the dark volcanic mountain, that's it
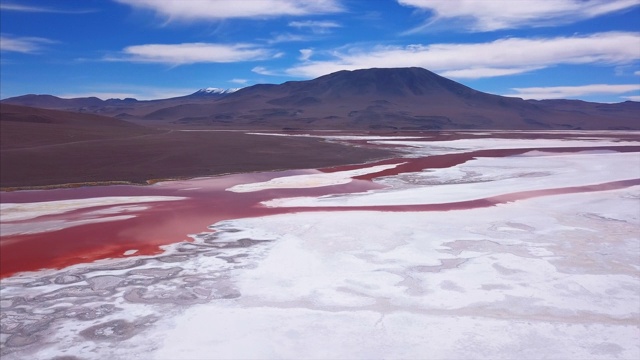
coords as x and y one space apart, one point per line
402 99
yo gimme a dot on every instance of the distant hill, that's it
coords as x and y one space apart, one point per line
24 127
89 103
127 108
369 99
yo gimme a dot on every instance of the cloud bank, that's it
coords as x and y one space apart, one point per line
507 56
490 15
191 53
226 9
563 92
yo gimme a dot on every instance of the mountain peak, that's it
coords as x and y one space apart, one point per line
380 82
216 91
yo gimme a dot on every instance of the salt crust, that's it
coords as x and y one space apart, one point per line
14 215
422 148
541 278
25 211
485 177
310 180
552 277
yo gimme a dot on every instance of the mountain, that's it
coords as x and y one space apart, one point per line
402 98
378 98
54 102
127 107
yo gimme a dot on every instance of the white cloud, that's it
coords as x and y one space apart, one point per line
476 60
39 9
305 54
317 27
264 71
26 45
191 53
484 72
632 97
637 73
280 38
239 81
563 92
224 9
489 15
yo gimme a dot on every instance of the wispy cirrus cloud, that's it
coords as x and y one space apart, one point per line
225 9
191 53
239 81
25 45
563 92
287 37
122 91
480 60
487 72
264 71
490 15
41 9
317 27
305 54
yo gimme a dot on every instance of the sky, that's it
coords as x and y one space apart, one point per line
150 49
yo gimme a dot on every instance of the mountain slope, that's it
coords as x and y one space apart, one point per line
126 109
404 98
25 127
379 98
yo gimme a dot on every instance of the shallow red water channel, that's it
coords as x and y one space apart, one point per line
207 202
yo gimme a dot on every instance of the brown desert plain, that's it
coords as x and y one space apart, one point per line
50 147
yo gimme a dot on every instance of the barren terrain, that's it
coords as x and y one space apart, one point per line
48 147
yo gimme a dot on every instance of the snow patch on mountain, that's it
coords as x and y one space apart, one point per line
213 90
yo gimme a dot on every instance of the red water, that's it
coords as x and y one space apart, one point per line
207 203
162 223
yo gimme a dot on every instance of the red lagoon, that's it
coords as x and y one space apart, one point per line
206 202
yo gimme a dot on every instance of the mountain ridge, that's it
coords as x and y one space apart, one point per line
378 98
57 101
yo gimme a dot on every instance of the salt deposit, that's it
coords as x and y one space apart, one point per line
310 180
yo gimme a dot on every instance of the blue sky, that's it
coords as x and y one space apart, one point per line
579 49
